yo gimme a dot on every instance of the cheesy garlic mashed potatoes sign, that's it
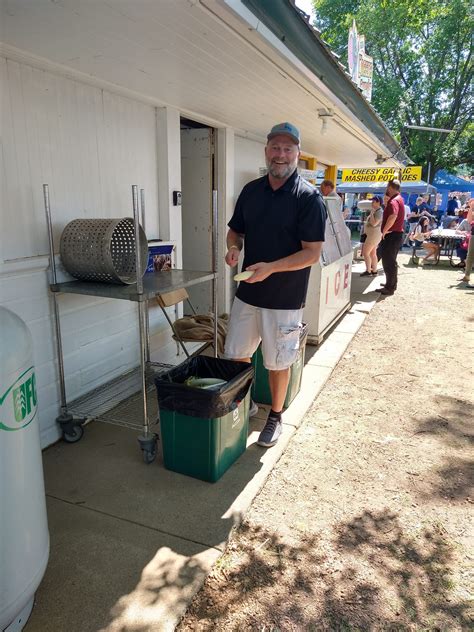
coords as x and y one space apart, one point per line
381 174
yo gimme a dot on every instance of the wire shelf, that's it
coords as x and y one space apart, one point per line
119 401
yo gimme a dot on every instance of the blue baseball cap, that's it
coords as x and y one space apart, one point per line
285 128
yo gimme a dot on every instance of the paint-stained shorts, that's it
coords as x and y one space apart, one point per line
277 329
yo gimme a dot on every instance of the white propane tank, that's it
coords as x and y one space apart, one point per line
24 537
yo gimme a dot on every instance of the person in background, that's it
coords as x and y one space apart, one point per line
421 236
346 213
415 209
452 205
407 212
373 235
424 206
469 262
406 226
280 219
413 218
463 211
465 228
448 218
464 225
326 188
462 251
392 236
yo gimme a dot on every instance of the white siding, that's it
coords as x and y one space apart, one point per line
90 146
249 157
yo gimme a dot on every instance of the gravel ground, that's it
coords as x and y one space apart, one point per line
366 522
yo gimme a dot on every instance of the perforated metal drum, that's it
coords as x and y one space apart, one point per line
102 250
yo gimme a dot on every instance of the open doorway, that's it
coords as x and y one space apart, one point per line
197 184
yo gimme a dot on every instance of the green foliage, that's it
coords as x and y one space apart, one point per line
423 70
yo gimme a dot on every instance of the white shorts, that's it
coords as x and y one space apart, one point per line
278 329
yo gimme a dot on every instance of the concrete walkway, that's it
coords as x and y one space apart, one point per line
131 544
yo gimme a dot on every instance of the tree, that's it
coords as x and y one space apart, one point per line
423 70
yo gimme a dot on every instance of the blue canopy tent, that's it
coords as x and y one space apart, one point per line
410 190
446 182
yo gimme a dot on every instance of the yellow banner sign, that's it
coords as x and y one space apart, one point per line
381 174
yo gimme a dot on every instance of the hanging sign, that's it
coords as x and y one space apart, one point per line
353 53
381 174
308 174
361 65
366 71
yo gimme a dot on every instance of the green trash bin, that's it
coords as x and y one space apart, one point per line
204 432
204 448
261 388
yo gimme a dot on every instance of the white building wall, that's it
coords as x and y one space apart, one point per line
249 158
90 146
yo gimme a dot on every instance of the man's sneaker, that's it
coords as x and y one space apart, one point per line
271 433
253 408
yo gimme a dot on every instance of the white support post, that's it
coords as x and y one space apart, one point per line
226 201
169 176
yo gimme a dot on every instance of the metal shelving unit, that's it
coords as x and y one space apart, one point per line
116 401
106 403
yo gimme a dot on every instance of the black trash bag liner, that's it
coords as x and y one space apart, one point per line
173 394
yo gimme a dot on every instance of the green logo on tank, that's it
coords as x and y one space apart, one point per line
18 405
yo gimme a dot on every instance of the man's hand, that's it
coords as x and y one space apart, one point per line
262 271
232 257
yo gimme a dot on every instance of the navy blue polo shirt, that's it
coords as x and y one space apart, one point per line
274 223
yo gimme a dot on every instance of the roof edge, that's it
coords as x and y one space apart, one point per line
291 26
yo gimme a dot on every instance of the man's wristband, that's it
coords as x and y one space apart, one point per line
233 246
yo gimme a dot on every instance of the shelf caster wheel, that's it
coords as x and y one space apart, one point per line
148 447
71 428
74 435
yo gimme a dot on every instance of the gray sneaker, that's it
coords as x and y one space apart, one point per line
271 432
253 408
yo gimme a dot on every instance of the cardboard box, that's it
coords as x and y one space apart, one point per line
161 256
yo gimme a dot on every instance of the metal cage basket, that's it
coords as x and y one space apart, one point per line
103 250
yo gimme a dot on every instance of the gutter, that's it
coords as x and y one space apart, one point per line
287 23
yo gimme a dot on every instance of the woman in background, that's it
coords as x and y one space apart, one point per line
373 232
421 238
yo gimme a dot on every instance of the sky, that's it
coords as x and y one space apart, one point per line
306 6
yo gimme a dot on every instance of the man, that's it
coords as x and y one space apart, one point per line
448 218
280 219
424 206
392 236
326 187
452 205
328 190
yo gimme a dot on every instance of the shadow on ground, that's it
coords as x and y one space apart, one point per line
453 423
374 577
454 480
